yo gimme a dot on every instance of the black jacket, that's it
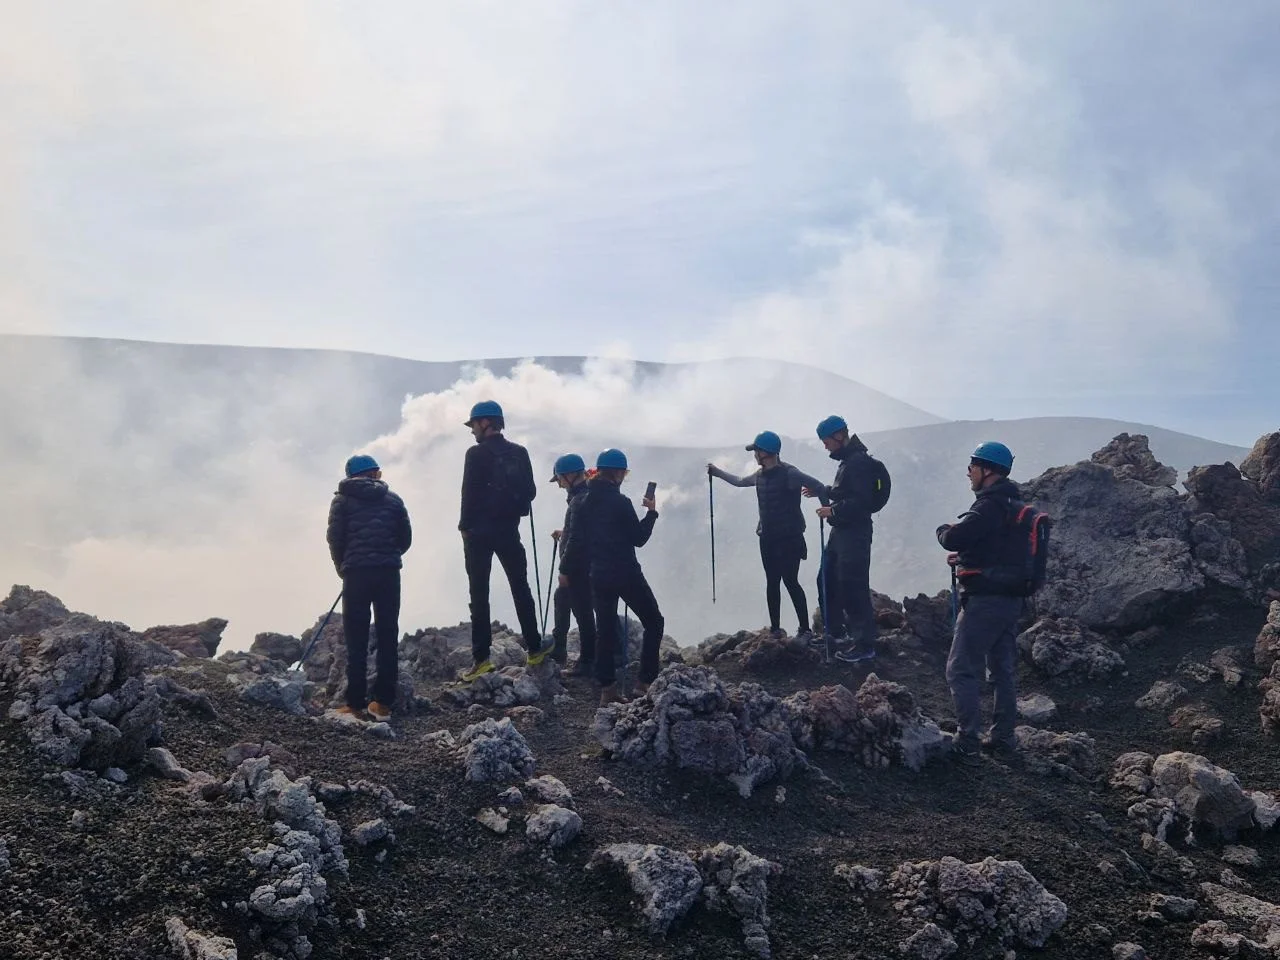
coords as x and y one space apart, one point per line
368 525
985 537
573 555
497 485
850 495
605 527
778 498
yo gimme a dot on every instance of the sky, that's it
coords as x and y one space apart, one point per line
989 209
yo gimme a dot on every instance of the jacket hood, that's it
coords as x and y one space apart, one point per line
363 488
849 449
1003 488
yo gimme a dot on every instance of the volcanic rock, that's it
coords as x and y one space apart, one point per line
190 944
279 647
929 618
666 881
736 881
1130 458
1203 793
192 639
1072 756
1269 709
1120 557
553 825
993 897
26 612
1254 518
1161 696
549 789
1066 649
1262 465
509 687
494 750
1198 720
1266 649
1262 917
1037 708
930 942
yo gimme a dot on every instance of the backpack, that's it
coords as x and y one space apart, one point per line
510 481
1030 529
880 491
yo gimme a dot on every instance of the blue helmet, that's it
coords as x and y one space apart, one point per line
361 463
766 442
830 426
994 455
569 463
485 408
611 459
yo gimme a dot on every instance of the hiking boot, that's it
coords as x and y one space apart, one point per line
820 640
966 754
478 671
1000 747
856 654
611 694
560 652
805 636
536 659
346 712
777 633
580 668
380 713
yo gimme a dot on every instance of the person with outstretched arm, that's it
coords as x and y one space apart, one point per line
368 534
573 592
604 524
847 508
986 631
497 491
780 526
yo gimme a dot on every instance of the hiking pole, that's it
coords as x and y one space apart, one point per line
550 580
822 570
537 575
711 502
955 596
316 636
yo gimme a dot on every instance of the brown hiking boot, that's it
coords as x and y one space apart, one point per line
379 713
354 713
610 694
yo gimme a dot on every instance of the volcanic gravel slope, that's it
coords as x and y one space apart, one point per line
101 884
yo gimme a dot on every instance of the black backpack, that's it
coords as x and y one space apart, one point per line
1030 528
510 481
880 489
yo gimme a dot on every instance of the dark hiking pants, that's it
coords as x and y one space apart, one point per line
634 591
781 559
985 636
847 600
478 550
375 589
575 599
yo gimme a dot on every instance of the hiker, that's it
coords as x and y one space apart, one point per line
605 526
573 592
497 490
368 534
780 527
845 597
985 539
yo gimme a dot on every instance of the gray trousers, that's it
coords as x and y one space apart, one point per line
985 636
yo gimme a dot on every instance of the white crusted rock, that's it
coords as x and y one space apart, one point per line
666 881
553 825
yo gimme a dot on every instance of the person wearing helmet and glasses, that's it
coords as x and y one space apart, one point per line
780 526
605 527
368 533
573 592
846 568
987 626
497 491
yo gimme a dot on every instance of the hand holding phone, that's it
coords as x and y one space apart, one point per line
651 490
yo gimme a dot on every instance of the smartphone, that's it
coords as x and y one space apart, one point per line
651 490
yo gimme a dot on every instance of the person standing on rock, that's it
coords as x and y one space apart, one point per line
780 526
368 535
605 527
985 539
573 593
497 491
848 503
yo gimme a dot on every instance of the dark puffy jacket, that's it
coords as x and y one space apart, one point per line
606 527
778 498
497 485
850 495
573 554
368 525
985 536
